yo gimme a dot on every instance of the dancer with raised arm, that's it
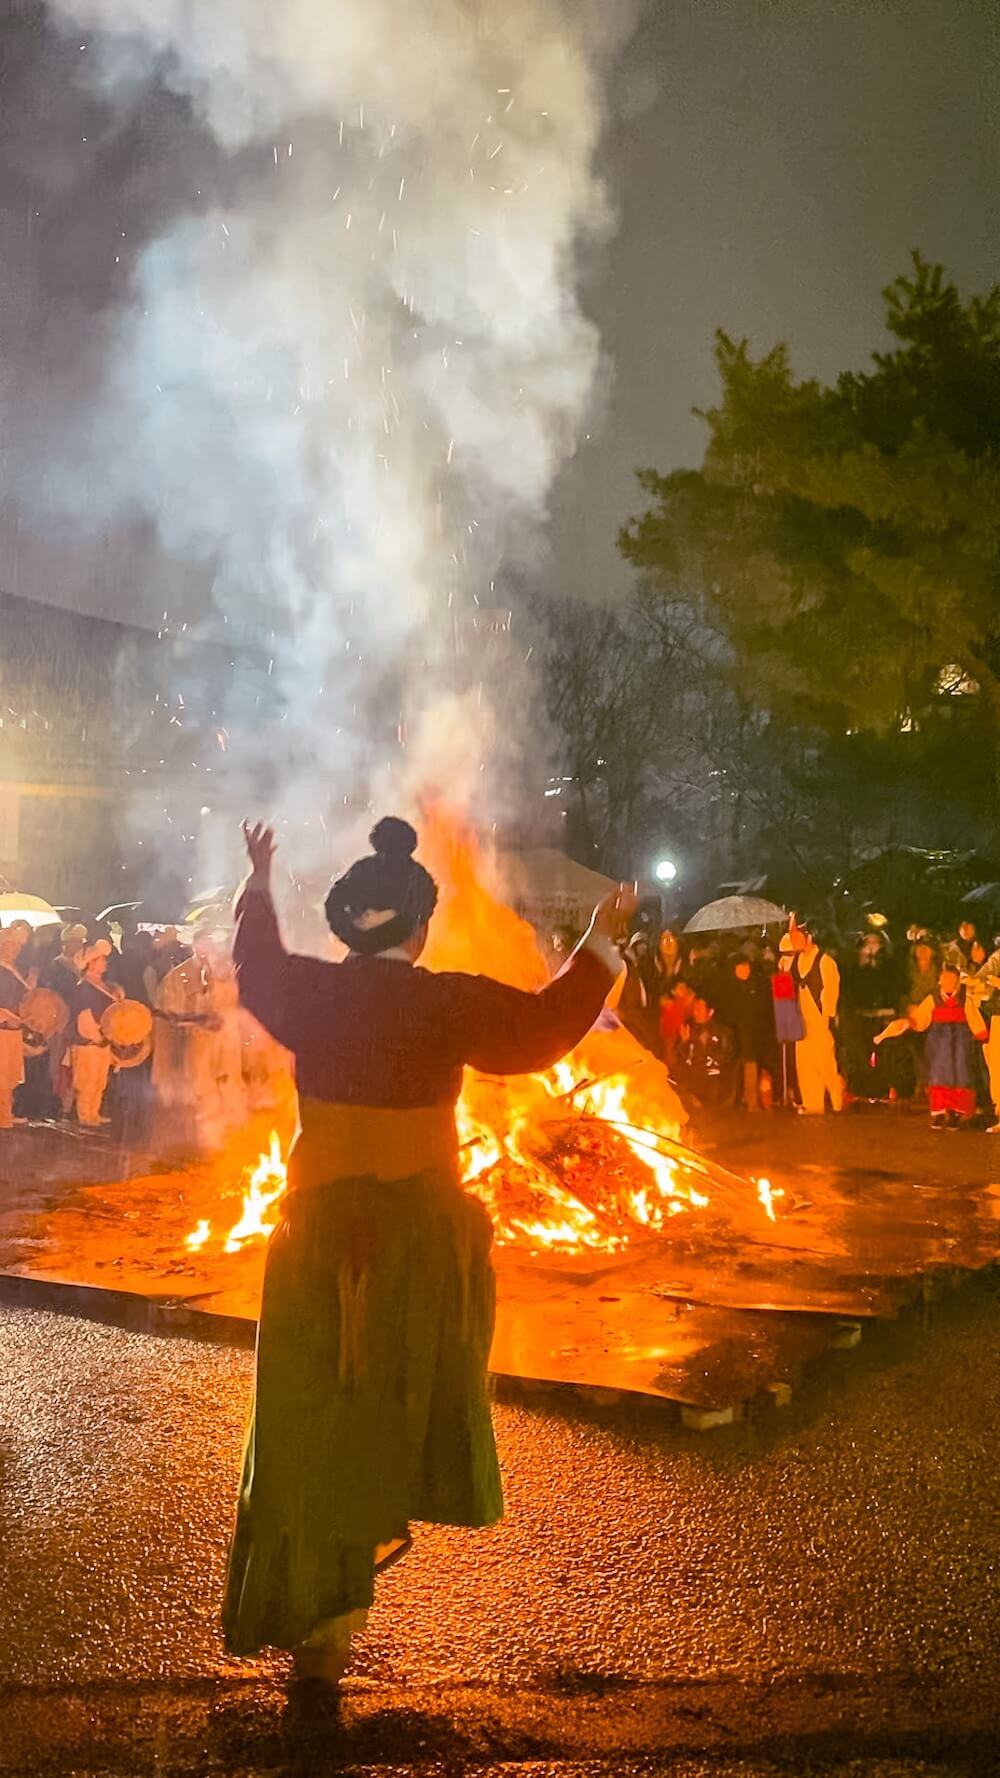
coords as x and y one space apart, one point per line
371 1406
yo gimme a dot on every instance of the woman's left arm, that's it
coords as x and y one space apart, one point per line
263 966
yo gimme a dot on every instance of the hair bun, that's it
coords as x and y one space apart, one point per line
393 838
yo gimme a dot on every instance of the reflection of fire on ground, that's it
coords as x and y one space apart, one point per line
586 1157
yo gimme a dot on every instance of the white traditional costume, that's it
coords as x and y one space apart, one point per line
817 981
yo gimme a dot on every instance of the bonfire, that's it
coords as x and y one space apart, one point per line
589 1156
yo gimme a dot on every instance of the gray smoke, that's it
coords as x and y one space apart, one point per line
342 391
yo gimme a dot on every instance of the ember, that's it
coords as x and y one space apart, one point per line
588 1156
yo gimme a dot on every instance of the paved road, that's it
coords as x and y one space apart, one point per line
817 1594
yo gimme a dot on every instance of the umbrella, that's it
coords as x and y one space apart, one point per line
28 907
734 911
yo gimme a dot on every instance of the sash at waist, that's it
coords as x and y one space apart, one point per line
370 1141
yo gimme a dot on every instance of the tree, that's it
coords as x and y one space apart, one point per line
655 746
608 690
846 539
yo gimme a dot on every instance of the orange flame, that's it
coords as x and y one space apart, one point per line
265 1184
584 1156
767 1193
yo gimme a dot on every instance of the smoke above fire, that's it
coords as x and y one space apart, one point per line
348 374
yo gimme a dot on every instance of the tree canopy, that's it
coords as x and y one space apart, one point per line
847 537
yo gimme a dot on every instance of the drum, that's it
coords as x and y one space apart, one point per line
44 1012
128 1027
44 1015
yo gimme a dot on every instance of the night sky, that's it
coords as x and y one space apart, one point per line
774 162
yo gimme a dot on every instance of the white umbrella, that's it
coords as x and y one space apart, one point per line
28 907
736 910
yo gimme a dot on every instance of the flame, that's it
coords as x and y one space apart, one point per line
767 1193
587 1156
199 1236
265 1184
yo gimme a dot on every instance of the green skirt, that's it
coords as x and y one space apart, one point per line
371 1404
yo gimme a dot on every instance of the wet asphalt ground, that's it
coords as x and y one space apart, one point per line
813 1592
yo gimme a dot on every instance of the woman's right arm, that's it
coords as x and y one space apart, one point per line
263 966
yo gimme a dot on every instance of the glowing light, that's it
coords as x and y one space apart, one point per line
767 1193
665 871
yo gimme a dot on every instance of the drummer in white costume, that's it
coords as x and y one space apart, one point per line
91 1053
197 1056
13 988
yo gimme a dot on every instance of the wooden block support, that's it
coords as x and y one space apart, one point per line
703 1419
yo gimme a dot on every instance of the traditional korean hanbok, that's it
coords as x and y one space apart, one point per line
371 1406
92 1056
955 1027
13 988
817 980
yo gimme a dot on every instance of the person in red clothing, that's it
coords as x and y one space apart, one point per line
371 1408
675 1016
954 1024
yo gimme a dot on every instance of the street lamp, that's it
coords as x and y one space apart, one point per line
665 871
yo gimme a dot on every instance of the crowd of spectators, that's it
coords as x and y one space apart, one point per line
711 1007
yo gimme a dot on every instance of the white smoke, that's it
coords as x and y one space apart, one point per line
347 389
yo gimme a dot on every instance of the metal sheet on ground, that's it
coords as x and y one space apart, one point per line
710 1316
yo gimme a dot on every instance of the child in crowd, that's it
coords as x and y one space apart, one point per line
954 1025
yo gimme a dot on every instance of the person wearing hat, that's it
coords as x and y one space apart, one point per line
62 975
376 1318
169 952
197 1059
13 988
91 1051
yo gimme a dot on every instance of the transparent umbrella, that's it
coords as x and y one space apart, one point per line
735 911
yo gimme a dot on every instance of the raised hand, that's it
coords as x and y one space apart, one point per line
259 840
612 915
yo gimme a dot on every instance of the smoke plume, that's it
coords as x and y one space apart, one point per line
346 378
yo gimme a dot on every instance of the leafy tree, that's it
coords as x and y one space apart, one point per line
846 539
